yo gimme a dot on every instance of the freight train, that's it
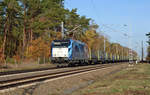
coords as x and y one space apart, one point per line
72 52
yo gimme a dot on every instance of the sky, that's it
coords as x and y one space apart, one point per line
116 18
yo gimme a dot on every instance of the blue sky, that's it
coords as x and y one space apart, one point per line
115 14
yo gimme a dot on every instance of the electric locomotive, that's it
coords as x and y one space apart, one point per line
70 52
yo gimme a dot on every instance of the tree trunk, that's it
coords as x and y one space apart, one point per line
24 39
4 42
24 32
31 32
31 36
90 53
5 37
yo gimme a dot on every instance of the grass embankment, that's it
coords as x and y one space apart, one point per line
133 80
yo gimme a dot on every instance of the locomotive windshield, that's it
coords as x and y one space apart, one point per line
61 43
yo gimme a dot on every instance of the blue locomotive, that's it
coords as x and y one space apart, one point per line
73 52
69 52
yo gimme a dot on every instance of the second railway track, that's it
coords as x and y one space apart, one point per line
25 71
16 82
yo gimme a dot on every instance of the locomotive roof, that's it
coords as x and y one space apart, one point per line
66 40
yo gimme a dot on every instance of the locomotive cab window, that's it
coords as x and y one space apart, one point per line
61 43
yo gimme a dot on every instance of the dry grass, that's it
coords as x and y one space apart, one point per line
24 66
131 81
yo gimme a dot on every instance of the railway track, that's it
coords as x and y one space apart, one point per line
25 71
33 79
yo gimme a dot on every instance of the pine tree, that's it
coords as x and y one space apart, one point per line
10 11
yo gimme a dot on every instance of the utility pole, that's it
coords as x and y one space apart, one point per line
130 47
62 29
142 52
122 58
116 51
104 46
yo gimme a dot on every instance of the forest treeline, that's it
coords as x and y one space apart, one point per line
148 48
27 28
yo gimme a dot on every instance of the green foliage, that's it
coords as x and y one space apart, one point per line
10 16
22 21
10 60
148 49
148 35
148 53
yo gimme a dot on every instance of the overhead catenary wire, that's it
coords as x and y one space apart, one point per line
129 36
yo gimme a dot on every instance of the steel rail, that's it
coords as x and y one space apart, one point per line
39 78
25 71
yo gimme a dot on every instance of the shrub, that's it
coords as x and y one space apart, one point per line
38 49
10 60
